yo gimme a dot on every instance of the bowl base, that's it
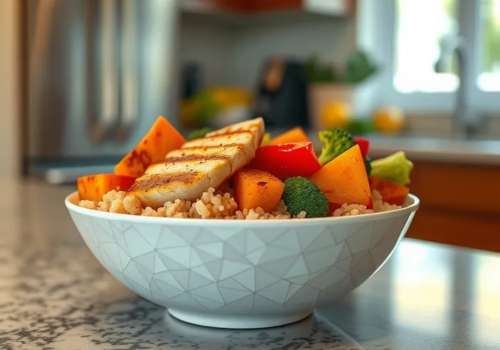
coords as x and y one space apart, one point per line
236 321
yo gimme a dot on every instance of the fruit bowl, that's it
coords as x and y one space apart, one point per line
241 274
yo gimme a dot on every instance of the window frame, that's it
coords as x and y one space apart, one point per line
377 34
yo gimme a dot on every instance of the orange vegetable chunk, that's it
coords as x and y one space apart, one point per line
344 179
160 139
256 188
291 136
93 187
390 191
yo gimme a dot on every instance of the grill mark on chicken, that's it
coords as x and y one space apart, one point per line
162 179
227 133
181 152
195 157
201 148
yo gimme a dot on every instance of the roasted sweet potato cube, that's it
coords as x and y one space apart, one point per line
160 139
93 187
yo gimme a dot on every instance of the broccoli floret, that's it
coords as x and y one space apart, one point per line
197 134
395 167
335 142
300 194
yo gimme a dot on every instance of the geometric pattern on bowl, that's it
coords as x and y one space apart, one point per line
240 275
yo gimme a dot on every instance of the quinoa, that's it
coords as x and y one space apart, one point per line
358 209
351 210
380 205
87 204
216 205
210 205
132 204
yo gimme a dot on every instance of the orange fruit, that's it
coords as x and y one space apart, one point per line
389 119
335 114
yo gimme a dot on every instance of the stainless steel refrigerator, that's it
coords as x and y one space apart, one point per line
98 72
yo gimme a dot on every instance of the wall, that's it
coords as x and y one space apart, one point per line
329 38
232 51
9 65
207 41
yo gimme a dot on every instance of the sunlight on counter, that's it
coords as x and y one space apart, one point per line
412 304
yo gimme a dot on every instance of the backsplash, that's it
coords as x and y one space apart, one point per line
440 124
232 52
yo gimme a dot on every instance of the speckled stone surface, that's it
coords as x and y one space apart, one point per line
55 295
66 301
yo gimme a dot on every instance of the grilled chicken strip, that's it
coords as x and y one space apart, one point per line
200 164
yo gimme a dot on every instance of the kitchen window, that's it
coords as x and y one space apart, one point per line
417 42
418 50
489 78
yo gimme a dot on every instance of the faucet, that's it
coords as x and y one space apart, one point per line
465 123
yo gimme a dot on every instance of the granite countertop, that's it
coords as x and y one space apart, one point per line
55 295
482 152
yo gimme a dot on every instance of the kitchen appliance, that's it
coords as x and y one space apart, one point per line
282 94
98 74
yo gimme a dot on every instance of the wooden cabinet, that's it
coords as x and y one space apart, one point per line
460 204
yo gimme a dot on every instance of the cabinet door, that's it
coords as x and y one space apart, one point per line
460 204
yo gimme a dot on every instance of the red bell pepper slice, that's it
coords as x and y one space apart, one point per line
364 145
287 160
390 191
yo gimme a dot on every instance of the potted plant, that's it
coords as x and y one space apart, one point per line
335 91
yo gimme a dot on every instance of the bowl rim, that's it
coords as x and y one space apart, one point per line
412 204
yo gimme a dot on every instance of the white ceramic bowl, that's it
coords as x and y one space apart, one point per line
241 274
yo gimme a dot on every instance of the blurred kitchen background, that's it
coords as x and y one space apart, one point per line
82 80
